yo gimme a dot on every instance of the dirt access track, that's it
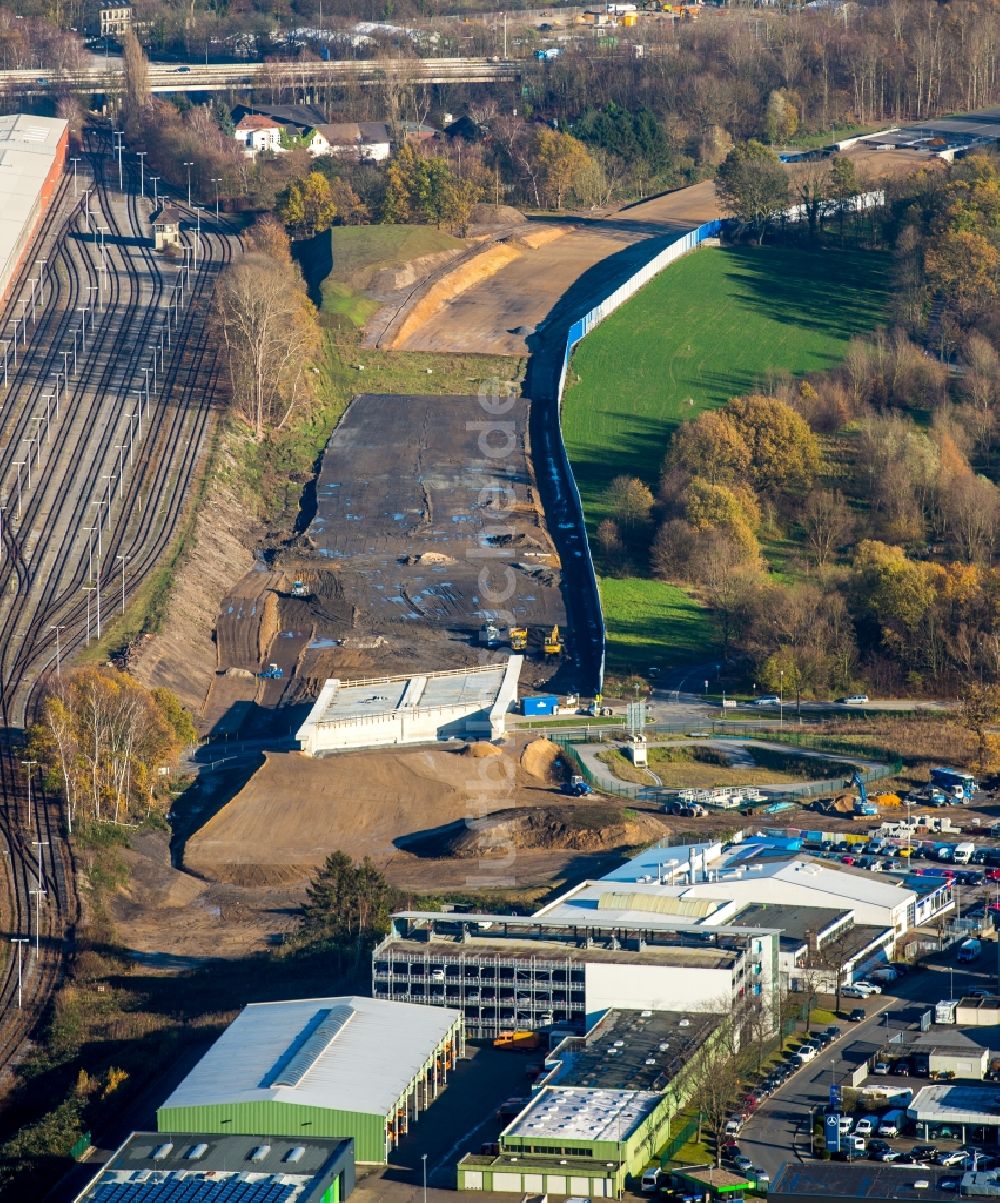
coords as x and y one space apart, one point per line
494 302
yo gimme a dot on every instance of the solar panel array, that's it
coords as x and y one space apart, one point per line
173 1189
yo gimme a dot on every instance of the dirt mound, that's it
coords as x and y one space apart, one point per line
295 810
579 827
541 759
480 751
495 215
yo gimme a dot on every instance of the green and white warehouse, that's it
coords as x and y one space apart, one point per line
602 1111
321 1067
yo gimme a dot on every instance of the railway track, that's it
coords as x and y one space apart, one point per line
133 462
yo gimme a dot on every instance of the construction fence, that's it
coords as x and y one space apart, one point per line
578 331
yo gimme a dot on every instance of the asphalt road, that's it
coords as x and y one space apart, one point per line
779 1130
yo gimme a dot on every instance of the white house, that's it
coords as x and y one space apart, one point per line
362 141
256 133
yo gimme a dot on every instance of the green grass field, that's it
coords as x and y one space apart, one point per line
712 326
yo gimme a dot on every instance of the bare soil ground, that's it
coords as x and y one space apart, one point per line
407 503
296 810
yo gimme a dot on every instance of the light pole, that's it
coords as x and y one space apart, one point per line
33 282
423 1158
90 549
88 589
145 371
140 394
57 628
28 766
20 941
86 208
781 697
93 304
141 154
83 310
156 190
197 235
188 164
58 376
216 180
74 162
119 147
18 464
100 545
131 437
110 478
14 320
6 345
39 894
47 398
24 324
123 559
39 844
27 460
65 355
121 468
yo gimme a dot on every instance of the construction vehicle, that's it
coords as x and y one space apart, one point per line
299 589
518 639
489 634
520 1041
273 672
552 645
576 787
956 784
864 808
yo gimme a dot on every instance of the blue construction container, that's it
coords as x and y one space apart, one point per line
543 703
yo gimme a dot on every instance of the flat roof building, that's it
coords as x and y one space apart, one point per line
838 1182
969 1109
602 1111
151 1167
347 1067
467 703
32 158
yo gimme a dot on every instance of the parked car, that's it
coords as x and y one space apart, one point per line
871 987
806 1053
846 1124
890 1155
733 1126
833 1032
858 1015
767 699
854 699
891 1124
877 1146
855 990
924 1152
866 1125
902 1068
650 1180
882 1068
951 1158
743 1163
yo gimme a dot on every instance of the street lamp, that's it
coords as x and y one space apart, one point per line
188 164
20 941
423 1158
39 894
121 468
216 180
19 464
110 478
28 766
74 162
123 558
141 154
86 208
781 697
156 189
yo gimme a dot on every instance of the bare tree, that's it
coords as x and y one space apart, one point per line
827 522
270 334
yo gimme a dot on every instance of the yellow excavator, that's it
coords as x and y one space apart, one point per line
518 639
553 643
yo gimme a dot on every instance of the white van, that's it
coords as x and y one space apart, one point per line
964 853
891 1123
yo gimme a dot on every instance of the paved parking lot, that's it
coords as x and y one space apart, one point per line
780 1130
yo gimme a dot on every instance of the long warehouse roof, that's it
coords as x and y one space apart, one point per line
346 1054
28 147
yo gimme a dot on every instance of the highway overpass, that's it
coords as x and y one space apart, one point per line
213 77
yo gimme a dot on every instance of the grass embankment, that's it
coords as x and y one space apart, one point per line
357 254
712 326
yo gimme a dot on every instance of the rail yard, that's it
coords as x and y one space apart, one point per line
105 419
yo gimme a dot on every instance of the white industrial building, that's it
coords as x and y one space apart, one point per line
746 872
468 703
32 158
